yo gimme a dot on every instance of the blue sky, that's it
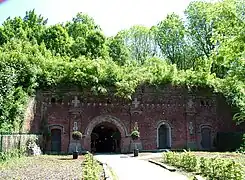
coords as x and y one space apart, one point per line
111 15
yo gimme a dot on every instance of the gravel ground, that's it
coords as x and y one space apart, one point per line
42 167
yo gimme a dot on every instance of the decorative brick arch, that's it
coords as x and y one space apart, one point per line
106 118
56 126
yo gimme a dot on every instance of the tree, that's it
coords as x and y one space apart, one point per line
88 38
57 39
117 50
95 45
34 25
228 35
81 25
13 29
139 41
170 36
29 28
200 27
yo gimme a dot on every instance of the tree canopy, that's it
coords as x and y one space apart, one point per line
205 49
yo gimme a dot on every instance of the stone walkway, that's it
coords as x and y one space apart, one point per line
130 168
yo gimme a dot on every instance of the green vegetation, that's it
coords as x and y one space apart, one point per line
13 153
76 135
210 167
91 168
207 50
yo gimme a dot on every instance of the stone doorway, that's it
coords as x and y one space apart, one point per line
55 140
206 138
105 138
164 136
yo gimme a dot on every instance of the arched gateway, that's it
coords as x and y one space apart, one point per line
105 134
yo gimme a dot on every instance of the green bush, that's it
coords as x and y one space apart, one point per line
91 168
14 153
135 134
212 168
215 168
172 158
184 160
188 161
76 135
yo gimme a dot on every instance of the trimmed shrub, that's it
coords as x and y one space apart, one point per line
185 160
91 168
76 135
212 168
135 134
216 168
188 161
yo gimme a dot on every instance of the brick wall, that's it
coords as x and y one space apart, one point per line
172 105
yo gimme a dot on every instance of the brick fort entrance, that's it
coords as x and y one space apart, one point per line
105 134
105 137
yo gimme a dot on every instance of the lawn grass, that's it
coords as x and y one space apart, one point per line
42 167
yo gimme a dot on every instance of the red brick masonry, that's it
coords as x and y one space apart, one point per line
185 115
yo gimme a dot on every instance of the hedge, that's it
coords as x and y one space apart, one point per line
91 168
212 168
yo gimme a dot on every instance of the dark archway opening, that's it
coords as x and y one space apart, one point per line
105 138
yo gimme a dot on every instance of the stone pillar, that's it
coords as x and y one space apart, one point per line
75 125
191 142
135 143
125 144
136 114
191 131
86 143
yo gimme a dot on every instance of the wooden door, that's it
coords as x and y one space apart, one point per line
163 137
55 140
206 138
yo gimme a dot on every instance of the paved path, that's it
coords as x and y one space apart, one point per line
129 168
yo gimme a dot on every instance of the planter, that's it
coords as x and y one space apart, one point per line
136 152
134 138
75 154
135 134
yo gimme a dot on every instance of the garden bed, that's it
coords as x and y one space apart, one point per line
237 157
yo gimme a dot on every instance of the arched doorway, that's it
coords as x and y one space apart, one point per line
55 140
105 137
163 136
206 138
